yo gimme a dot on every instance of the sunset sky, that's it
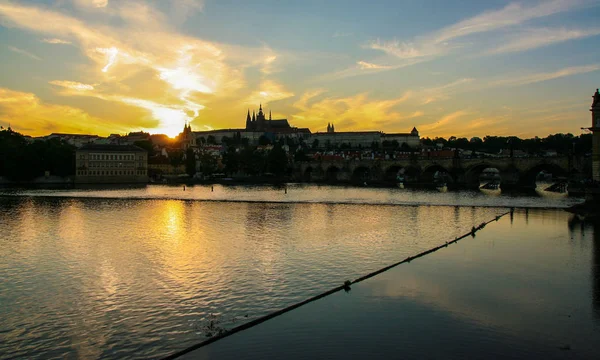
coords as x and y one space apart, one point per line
464 68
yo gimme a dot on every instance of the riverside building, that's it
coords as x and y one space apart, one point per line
111 164
595 129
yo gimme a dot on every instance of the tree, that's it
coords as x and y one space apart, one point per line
176 157
208 163
300 155
190 162
252 161
315 143
146 145
210 140
277 160
24 161
232 161
263 140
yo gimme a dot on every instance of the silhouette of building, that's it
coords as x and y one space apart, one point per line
362 139
411 139
111 164
257 125
595 129
259 122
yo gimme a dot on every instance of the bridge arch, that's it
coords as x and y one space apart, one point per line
474 173
528 177
361 174
436 172
331 174
307 175
392 172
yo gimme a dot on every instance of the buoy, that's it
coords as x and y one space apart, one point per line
347 285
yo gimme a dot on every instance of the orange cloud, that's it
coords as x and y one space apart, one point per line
27 113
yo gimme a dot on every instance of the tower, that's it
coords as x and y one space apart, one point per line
260 119
248 121
595 129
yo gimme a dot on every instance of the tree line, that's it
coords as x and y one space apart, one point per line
24 160
563 144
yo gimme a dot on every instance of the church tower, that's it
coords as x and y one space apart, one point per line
595 129
260 119
248 121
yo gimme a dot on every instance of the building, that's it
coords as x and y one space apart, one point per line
361 139
111 164
595 129
352 139
257 126
410 139
259 123
77 140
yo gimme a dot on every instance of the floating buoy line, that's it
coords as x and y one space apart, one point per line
346 287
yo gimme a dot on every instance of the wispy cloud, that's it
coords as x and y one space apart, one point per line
442 92
56 41
402 50
183 9
99 4
24 52
510 15
539 77
339 34
535 38
357 111
269 91
72 86
442 42
443 122
368 65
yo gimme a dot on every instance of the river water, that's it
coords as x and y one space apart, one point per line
135 272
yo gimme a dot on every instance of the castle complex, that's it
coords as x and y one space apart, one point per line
258 125
258 122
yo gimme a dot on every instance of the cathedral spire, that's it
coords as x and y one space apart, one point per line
269 114
253 116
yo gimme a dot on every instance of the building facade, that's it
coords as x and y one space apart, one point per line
411 139
111 164
595 129
361 139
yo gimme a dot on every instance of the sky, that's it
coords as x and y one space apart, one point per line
450 68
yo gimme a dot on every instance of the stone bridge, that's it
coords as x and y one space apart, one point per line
458 172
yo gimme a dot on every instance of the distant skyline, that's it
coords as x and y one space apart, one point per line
468 68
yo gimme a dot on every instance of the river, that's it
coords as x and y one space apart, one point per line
134 272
